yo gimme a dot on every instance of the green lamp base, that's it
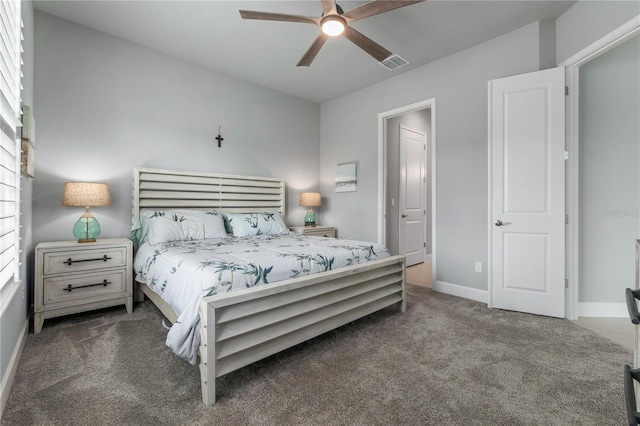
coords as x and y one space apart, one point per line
86 229
310 219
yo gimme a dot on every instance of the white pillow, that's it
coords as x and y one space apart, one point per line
249 224
162 229
172 225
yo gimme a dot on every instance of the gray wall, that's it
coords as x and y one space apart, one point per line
459 85
609 173
17 312
588 21
416 120
106 105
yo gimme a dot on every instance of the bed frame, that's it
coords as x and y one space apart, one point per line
242 327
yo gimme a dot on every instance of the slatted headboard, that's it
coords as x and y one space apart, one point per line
159 189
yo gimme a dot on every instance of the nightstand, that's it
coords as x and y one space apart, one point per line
319 231
74 277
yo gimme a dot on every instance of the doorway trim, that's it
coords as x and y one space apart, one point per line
382 171
572 80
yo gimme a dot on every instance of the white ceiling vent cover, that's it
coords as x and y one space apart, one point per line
394 62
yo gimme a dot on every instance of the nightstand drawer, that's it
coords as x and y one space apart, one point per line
316 231
319 233
83 286
83 260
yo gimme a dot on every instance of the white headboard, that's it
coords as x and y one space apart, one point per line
159 189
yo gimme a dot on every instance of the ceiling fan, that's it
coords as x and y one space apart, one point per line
334 22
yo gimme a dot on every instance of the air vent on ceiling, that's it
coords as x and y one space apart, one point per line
394 62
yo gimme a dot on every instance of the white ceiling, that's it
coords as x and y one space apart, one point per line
211 33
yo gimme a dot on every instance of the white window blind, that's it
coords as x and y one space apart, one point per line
10 74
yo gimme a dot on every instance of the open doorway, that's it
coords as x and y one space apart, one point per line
605 297
609 182
407 187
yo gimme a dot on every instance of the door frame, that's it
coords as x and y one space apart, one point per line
382 171
572 207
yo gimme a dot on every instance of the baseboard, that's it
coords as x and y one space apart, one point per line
12 368
602 310
428 258
461 291
585 309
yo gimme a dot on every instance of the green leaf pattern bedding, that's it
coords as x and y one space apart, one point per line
183 272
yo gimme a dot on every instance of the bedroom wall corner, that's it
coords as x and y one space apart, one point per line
547 43
106 105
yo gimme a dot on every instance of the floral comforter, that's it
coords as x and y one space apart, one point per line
183 272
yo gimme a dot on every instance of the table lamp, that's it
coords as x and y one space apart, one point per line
87 194
310 199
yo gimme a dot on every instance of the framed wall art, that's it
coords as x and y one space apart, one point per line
346 177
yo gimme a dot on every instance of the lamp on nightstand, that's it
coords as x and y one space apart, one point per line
310 199
87 194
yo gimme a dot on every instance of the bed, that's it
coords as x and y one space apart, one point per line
241 327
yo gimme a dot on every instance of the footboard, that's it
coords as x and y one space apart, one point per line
243 327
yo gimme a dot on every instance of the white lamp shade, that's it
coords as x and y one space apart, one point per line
310 199
83 194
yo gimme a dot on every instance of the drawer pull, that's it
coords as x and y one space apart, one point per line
69 261
70 287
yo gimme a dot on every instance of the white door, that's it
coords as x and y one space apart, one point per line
413 195
526 200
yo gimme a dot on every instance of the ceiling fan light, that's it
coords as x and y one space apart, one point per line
332 27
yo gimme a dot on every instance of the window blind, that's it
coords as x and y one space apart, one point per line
10 74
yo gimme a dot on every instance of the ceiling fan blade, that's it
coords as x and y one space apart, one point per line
268 16
311 53
328 6
366 44
376 7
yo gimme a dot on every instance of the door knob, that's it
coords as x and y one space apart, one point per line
405 215
499 222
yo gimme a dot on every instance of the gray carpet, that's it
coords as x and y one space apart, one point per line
446 361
